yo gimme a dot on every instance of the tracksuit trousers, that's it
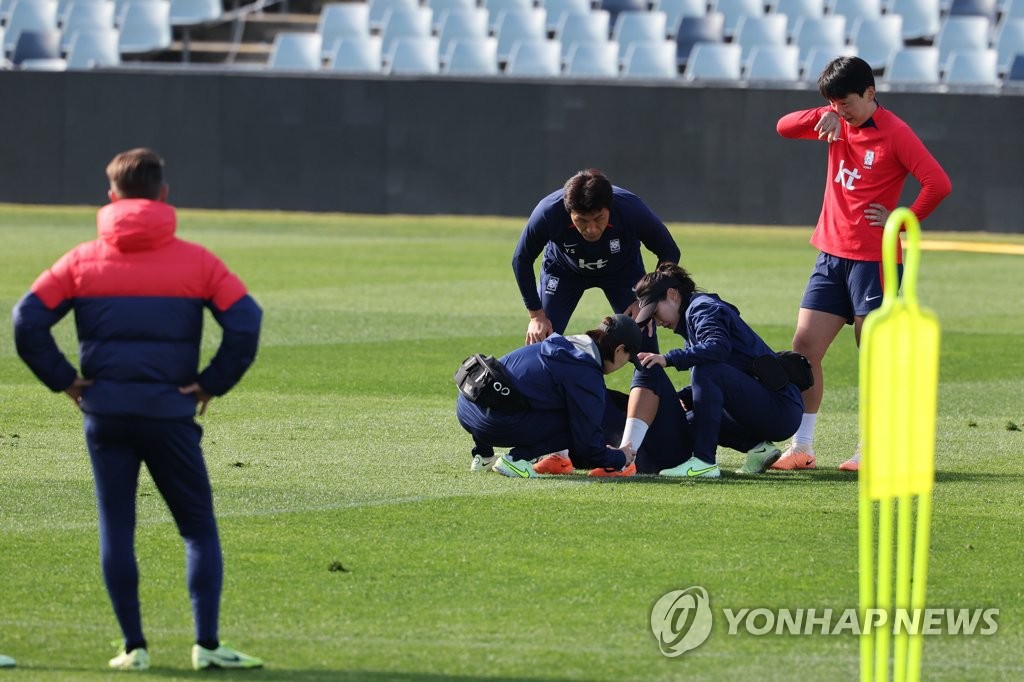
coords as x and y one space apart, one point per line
171 451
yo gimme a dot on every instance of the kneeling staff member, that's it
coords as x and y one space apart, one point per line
550 396
742 396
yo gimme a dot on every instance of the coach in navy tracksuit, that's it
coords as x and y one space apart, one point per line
729 405
590 232
138 293
562 379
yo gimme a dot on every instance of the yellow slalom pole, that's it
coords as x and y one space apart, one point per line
899 360
867 585
885 513
921 545
904 538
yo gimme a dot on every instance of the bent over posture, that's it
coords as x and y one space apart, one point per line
138 294
729 405
561 381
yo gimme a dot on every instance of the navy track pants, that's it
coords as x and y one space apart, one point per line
172 453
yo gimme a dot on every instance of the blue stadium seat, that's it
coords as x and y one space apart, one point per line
93 49
695 30
651 60
356 54
714 61
471 57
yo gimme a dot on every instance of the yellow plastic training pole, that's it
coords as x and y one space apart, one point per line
899 371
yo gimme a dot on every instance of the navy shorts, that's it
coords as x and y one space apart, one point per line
844 287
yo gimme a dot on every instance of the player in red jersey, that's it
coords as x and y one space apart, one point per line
870 154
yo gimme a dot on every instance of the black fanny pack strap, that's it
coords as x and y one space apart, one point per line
778 370
486 382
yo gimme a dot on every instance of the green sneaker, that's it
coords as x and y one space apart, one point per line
760 458
514 468
136 659
222 657
694 467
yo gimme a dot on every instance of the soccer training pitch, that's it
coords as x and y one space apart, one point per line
358 546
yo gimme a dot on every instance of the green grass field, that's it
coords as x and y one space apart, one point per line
340 448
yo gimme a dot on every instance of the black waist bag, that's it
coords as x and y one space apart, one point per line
486 382
776 370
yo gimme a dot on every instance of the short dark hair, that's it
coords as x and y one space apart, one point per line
587 191
136 174
845 76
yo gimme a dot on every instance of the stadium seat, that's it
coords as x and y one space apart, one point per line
90 49
913 65
85 16
974 8
145 27
773 63
971 67
342 20
962 33
675 10
795 10
695 30
464 25
921 18
714 61
471 57
362 54
732 10
593 60
414 57
854 10
496 7
827 34
876 39
1016 72
641 27
768 31
816 61
516 25
535 58
38 51
195 12
1009 42
583 28
296 52
651 60
29 15
557 9
406 23
378 8
439 8
614 7
1012 9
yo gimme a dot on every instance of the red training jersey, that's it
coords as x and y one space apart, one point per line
868 165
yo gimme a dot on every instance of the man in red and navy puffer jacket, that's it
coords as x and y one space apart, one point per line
138 293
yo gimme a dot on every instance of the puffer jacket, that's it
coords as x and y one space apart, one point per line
138 293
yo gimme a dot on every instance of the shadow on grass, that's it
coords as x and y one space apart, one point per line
786 478
296 675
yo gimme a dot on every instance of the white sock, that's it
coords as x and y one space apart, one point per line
562 453
803 439
635 431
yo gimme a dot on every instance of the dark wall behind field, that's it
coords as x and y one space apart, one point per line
394 145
